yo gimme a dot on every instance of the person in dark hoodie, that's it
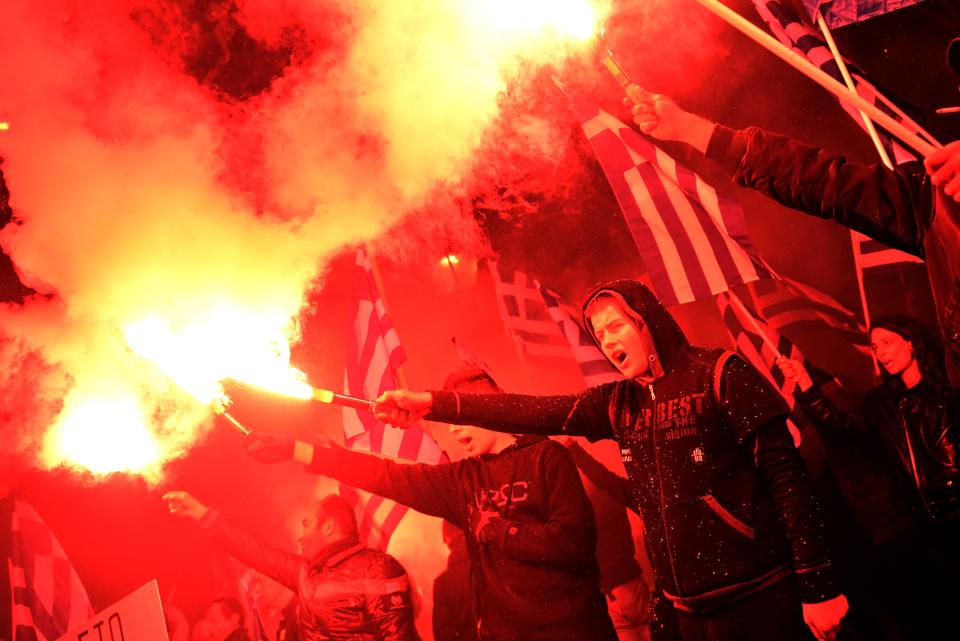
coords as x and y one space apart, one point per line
660 619
734 533
529 527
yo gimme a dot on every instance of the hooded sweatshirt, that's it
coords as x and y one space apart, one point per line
534 573
726 504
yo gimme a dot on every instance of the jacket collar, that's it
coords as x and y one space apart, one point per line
336 552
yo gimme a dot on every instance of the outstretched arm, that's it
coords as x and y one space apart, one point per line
278 564
894 207
430 489
583 414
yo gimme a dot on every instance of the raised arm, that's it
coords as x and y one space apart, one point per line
894 207
832 423
278 564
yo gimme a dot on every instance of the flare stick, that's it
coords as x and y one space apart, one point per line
237 424
332 398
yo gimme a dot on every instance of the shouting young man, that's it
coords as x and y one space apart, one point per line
732 527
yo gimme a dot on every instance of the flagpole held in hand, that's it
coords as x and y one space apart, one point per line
753 321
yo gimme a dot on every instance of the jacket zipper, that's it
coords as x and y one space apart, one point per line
663 515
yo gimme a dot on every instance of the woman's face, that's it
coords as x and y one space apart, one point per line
893 352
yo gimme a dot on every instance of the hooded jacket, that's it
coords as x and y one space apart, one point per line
726 504
347 592
534 574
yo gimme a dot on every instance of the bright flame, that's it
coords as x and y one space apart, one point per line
323 395
230 343
4 126
449 259
103 434
561 18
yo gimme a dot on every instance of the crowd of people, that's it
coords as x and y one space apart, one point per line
741 544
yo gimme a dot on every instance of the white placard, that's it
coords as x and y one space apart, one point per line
136 617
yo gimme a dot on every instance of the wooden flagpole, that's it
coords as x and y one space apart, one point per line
841 63
875 137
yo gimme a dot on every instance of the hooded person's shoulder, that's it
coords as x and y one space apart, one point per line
711 355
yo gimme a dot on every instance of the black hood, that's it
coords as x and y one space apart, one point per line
668 338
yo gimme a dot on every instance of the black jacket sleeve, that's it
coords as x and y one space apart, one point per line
786 477
583 414
894 207
562 538
757 416
388 596
283 567
618 488
430 489
834 425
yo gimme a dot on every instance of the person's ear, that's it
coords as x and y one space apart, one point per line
328 526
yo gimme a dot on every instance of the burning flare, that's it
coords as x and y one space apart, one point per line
230 343
152 217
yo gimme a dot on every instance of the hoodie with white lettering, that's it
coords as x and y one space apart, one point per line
528 524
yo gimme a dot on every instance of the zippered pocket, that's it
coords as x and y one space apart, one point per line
727 517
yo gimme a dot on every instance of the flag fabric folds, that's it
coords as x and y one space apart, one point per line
471 358
793 32
758 348
49 599
525 315
594 366
374 352
692 240
744 329
788 305
869 253
839 13
377 517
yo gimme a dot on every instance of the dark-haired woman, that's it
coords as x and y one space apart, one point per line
910 424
